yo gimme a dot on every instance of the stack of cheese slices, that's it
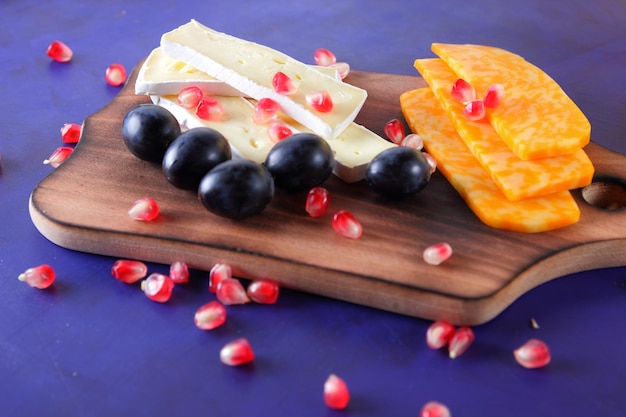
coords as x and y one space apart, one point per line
516 166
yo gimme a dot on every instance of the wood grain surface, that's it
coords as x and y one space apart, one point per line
83 204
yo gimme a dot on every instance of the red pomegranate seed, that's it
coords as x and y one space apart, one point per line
210 315
263 291
70 133
283 84
41 276
129 271
437 253
495 94
463 91
414 141
189 97
317 201
475 110
219 273
432 162
179 272
321 101
265 110
435 409
439 334
210 109
347 225
230 292
237 352
462 339
324 57
59 156
278 131
343 68
115 74
158 287
336 393
394 130
145 209
533 354
59 52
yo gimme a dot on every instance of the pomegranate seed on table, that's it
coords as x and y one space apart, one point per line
495 94
475 110
336 393
343 68
317 201
115 74
283 84
59 51
394 130
533 354
321 101
70 133
324 57
463 91
439 334
237 352
437 253
432 162
346 225
158 287
263 291
58 156
230 291
461 340
435 409
129 271
219 272
41 276
189 97
278 131
209 108
265 110
179 272
414 141
145 209
210 315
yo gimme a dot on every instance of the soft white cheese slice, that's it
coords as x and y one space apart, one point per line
249 67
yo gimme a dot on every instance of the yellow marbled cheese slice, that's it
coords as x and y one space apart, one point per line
456 163
515 177
536 119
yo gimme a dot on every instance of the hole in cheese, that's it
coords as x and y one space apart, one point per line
605 193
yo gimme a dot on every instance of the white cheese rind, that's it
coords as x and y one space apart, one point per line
249 68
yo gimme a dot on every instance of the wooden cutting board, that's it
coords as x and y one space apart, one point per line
83 204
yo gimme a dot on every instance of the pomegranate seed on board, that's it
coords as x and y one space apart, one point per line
278 131
439 334
495 94
219 272
115 74
321 101
432 162
283 84
324 57
59 156
179 272
237 352
346 225
158 287
462 339
414 141
437 253
189 97
317 201
129 271
336 393
463 91
209 109
230 291
59 51
41 276
533 354
263 291
265 110
145 209
435 409
343 68
475 110
394 130
70 133
210 315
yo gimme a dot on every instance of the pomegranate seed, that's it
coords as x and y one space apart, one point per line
432 162
533 354
265 110
210 316
263 291
189 97
230 292
439 334
435 409
179 272
533 323
70 133
129 271
463 91
278 131
347 225
336 393
158 287
237 352
437 253
475 110
343 68
59 156
145 209
41 276
321 101
283 84
115 74
209 109
317 201
462 339
219 273
495 94
59 52
394 130
414 141
323 57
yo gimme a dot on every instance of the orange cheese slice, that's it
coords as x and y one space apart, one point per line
536 118
516 178
456 163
